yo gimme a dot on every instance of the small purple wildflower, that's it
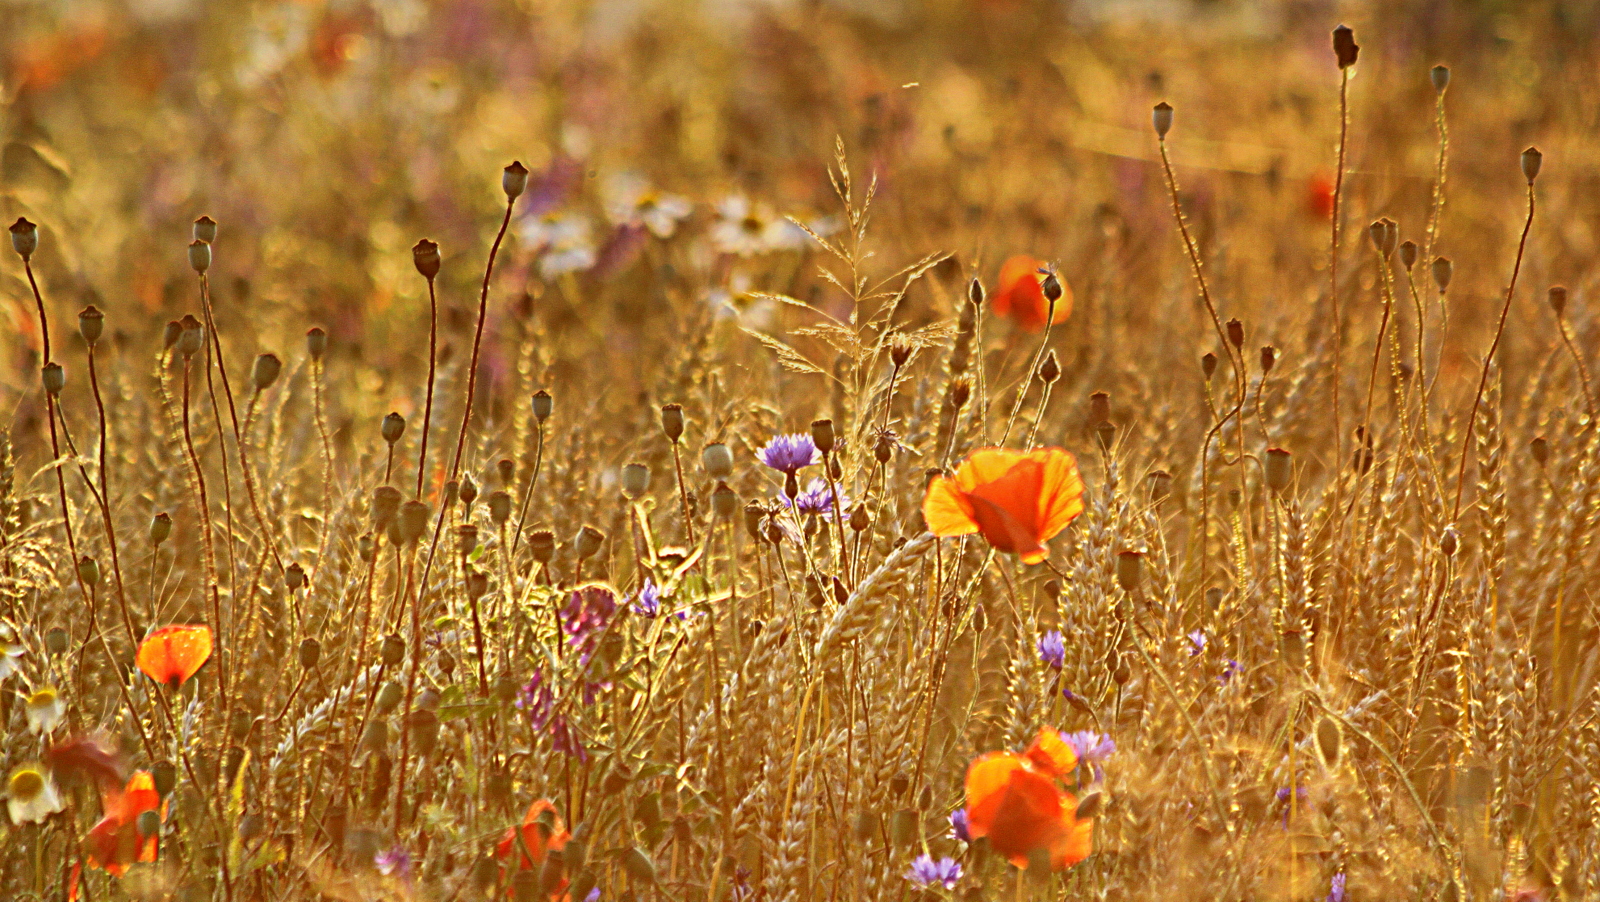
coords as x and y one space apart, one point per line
1198 640
1053 649
1283 797
1092 748
538 699
816 499
1229 671
926 872
958 825
648 601
395 862
788 453
742 890
591 691
565 740
1336 888
586 617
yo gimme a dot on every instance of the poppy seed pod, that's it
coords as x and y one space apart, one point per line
294 576
1130 569
543 405
1558 299
310 653
160 529
1391 236
822 435
54 378
265 371
205 229
1161 118
24 238
413 521
316 342
468 491
724 502
1345 48
1236 333
1208 365
1106 435
199 256
425 254
394 426
477 583
718 461
1408 254
1279 469
1269 358
393 650
635 480
170 334
389 697
192 337
91 323
1532 159
1160 486
56 640
1442 270
466 539
367 547
499 507
506 469
753 514
672 421
1440 76
542 545
514 180
1051 286
1540 449
1099 407
385 505
1376 232
89 571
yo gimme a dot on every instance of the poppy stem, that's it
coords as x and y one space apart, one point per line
427 403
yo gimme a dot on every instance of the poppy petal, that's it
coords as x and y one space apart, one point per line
947 510
173 654
987 779
1060 491
1074 841
1051 754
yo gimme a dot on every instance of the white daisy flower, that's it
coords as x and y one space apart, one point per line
629 198
31 796
45 710
10 653
564 242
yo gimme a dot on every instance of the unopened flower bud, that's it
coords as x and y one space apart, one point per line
514 180
1531 161
753 515
543 404
1161 118
717 460
1269 358
506 469
822 435
1051 286
294 576
1449 541
24 238
466 539
199 256
1558 299
672 421
724 502
859 518
1099 408
205 229
385 505
310 653
1540 449
468 492
394 426
316 342
499 507
89 571
1345 48
425 254
54 378
265 371
1440 76
1442 270
635 480
393 650
899 351
91 323
1236 333
160 528
588 542
975 293
1049 368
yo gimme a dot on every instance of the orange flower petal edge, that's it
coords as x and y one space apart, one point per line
1020 296
1017 500
173 654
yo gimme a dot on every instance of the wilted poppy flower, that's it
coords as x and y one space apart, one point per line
90 757
1020 294
117 841
1016 802
1017 500
31 795
527 845
172 654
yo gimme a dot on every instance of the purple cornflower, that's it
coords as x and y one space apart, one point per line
648 603
1053 649
958 825
1336 888
742 890
538 699
1283 797
816 499
1198 640
788 453
591 692
586 617
565 740
396 862
926 872
1229 671
1092 747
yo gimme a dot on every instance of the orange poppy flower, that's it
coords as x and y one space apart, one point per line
1020 294
172 654
117 842
1017 500
526 845
1015 801
1319 196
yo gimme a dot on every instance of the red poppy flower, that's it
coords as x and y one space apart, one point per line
1015 801
172 654
1017 500
117 842
1319 196
90 757
1020 294
526 845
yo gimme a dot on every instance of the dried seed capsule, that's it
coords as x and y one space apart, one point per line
192 336
542 545
859 518
316 342
199 256
1161 118
160 528
822 435
635 480
506 469
1540 448
294 576
394 426
753 515
389 697
89 571
724 502
499 507
205 229
1130 569
477 583
1408 253
1236 333
466 539
718 461
1532 159
1279 470
91 323
1099 407
425 255
1269 358
1442 270
265 371
1440 76
1345 48
899 350
672 421
514 180
1208 365
56 641
543 405
1051 286
1049 368
1160 486
385 505
54 379
587 544
1558 299
310 653
468 492
1106 435
413 521
24 238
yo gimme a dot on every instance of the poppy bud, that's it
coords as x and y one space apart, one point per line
1440 76
1449 541
1121 673
1236 333
672 421
724 502
469 490
975 292
425 254
588 542
1049 369
717 460
859 518
394 426
635 480
514 180
192 337
542 545
822 435
1051 286
1090 806
1558 299
499 507
1161 118
91 322
54 379
24 238
160 528
979 618
899 784
199 256
1345 47
413 521
385 505
1160 486
466 539
899 351
1408 253
1540 448
1531 160
88 571
294 576
1442 270
1099 407
543 404
960 391
814 592
265 371
310 653
1278 469
316 342
835 468
165 776
1208 365
1130 570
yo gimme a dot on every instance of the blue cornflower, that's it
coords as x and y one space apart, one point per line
788 453
396 862
1283 797
648 601
816 499
926 872
1229 671
1053 649
1198 640
1336 888
1092 747
958 825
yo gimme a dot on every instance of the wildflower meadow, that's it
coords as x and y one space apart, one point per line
768 450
